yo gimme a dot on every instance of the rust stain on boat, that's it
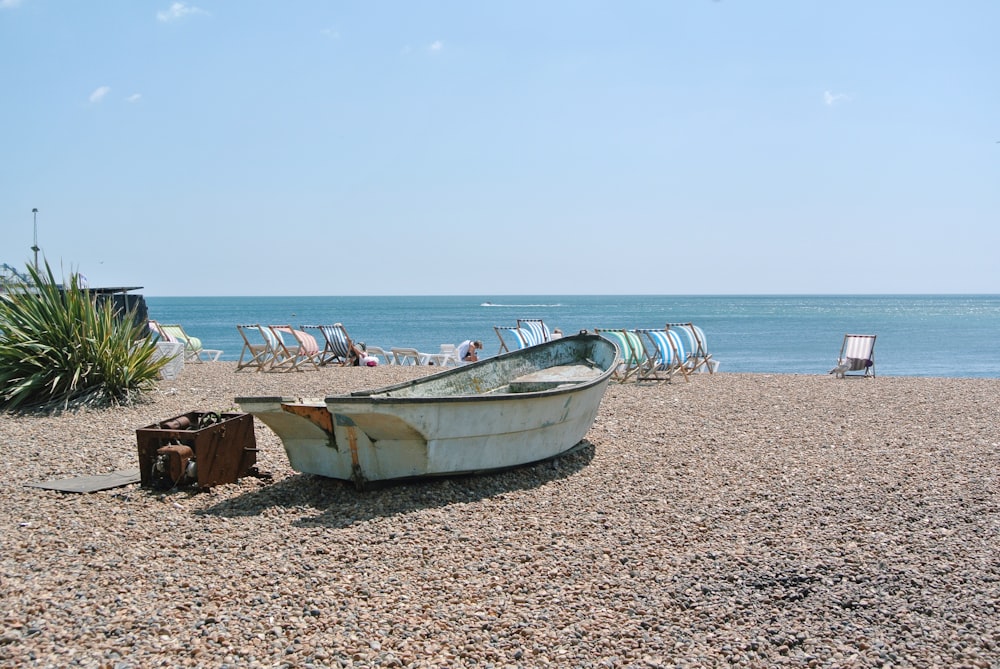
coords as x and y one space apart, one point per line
315 414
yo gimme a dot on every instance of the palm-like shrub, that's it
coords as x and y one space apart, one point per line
59 349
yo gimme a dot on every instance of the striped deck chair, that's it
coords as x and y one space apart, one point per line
193 350
305 349
665 355
633 353
857 353
696 347
338 344
511 338
536 332
283 358
256 354
157 331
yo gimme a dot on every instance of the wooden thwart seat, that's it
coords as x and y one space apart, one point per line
553 377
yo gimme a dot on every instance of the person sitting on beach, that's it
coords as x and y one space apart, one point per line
467 350
358 353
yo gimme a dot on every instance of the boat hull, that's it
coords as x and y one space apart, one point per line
501 412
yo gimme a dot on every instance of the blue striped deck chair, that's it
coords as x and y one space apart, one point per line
536 332
511 338
256 354
338 346
665 355
633 353
696 346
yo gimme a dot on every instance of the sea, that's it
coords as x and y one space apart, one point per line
917 335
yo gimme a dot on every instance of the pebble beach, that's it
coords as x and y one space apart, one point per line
748 520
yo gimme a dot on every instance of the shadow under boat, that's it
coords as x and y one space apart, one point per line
330 497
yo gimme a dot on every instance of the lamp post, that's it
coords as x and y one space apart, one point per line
34 213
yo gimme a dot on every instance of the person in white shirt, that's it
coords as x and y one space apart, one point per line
467 350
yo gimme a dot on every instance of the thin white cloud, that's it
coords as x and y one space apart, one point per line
9 4
178 10
830 98
135 97
437 45
99 94
330 32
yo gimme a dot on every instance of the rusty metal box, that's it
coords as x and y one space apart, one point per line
224 446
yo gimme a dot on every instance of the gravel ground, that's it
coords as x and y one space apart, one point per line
738 519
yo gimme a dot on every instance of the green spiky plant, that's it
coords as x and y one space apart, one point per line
59 349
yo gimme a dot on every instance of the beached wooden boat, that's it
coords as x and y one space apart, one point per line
509 410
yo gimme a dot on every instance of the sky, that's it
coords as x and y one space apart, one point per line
687 147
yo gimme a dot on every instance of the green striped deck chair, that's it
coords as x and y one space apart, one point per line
193 349
632 352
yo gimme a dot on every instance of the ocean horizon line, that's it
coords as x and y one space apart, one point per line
486 297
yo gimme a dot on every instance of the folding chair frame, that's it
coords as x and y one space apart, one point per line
699 356
518 336
257 356
283 358
665 355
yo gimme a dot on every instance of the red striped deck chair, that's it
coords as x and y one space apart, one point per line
305 349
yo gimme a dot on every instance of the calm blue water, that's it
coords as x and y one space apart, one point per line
932 335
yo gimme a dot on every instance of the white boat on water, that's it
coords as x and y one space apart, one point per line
513 409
